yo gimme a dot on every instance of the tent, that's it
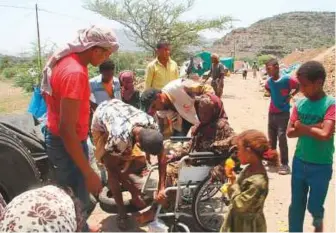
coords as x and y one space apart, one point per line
228 62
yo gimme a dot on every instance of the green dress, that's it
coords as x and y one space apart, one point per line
248 196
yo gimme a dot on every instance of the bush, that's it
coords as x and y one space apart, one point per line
262 59
9 73
26 79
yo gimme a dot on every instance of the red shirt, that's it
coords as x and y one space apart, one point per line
69 80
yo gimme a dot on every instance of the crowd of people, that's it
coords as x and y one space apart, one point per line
125 124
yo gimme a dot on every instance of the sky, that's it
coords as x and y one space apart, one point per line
18 27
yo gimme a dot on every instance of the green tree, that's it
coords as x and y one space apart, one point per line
148 21
262 59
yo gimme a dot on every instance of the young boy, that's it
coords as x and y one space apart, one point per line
313 122
281 90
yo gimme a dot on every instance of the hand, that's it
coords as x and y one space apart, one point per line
297 124
93 183
232 178
160 196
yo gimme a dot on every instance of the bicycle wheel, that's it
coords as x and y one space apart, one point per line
208 210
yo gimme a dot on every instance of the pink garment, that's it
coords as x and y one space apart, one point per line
127 84
87 38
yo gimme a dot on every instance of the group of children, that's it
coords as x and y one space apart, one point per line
313 122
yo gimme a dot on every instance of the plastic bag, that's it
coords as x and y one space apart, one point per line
157 226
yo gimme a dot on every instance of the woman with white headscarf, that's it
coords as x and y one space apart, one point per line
65 85
45 209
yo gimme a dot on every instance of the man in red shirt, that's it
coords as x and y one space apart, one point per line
65 84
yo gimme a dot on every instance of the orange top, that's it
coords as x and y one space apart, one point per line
108 88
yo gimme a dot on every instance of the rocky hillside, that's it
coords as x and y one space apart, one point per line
280 35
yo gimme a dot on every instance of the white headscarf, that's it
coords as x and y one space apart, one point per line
46 209
87 38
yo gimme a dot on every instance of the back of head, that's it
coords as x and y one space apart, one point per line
255 140
107 65
148 97
151 141
312 71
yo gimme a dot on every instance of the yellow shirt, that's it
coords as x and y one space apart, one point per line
157 75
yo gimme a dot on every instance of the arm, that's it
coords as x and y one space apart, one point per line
242 201
162 171
69 114
149 77
321 132
294 86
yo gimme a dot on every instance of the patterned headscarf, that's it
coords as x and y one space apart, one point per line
127 84
46 209
87 38
217 113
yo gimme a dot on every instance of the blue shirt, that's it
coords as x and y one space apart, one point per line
280 90
98 93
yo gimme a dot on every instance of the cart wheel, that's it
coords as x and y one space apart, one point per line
178 227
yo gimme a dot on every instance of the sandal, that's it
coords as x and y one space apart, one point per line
122 222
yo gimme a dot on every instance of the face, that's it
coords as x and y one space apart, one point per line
164 52
99 55
127 84
272 70
157 105
308 88
204 113
107 75
214 60
243 153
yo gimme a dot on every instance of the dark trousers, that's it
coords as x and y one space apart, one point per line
310 184
67 174
277 127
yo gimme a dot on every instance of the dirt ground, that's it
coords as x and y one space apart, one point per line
12 99
247 108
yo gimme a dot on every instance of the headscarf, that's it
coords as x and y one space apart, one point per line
218 113
127 84
46 209
87 38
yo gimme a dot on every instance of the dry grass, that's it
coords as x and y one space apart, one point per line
12 99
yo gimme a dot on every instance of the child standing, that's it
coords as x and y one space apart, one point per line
313 122
281 90
249 192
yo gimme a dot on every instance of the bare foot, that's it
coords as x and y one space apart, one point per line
146 215
95 228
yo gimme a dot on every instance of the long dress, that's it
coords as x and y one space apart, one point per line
248 196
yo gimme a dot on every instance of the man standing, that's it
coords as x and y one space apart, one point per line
162 70
245 68
255 68
281 90
104 86
66 88
217 72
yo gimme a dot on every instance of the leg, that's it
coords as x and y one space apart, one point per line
298 204
112 165
66 172
318 180
282 123
272 131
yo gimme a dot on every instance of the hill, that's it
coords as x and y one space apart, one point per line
280 35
